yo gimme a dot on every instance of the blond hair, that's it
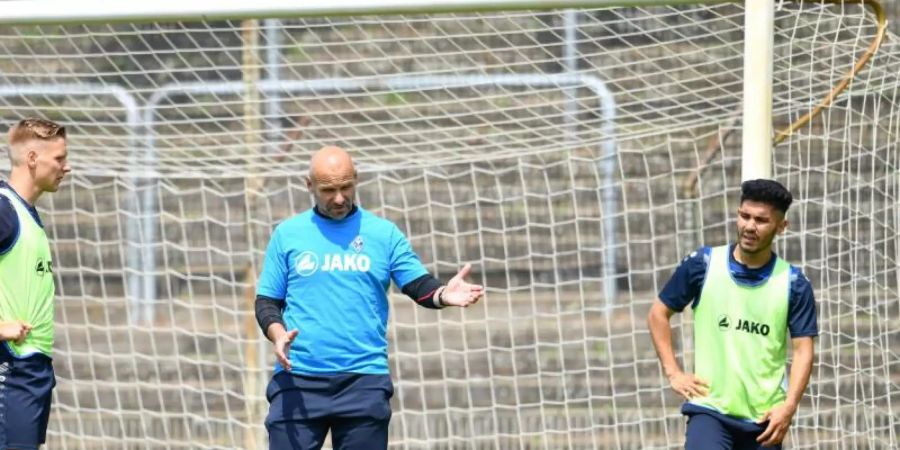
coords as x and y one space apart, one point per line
32 129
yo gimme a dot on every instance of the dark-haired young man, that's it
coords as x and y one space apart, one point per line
745 300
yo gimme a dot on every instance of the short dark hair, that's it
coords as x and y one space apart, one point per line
766 191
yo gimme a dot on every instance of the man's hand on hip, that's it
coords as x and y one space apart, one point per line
689 385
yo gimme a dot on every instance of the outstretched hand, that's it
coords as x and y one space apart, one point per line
459 292
15 331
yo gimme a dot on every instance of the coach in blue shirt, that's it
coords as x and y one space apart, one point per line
322 301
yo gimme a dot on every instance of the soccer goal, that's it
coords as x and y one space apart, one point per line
573 152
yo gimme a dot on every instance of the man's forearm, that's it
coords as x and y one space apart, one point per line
275 331
801 368
268 311
661 333
425 291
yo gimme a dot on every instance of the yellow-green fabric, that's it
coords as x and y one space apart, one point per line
740 335
26 282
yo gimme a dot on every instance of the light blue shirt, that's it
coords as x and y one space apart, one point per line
334 276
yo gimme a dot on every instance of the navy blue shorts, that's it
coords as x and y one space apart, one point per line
714 431
26 385
303 408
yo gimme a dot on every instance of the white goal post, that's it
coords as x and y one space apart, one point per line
573 152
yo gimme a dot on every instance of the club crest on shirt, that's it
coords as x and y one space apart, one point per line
357 244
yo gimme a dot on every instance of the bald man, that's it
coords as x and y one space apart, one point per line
322 301
38 160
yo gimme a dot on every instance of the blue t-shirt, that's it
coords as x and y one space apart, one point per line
9 220
334 276
687 282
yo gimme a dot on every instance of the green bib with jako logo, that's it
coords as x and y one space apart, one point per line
740 339
26 282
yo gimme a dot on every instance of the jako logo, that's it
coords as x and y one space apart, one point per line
724 322
746 326
308 263
43 267
752 327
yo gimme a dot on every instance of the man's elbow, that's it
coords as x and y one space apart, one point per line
651 318
659 313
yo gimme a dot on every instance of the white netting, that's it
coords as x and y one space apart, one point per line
550 149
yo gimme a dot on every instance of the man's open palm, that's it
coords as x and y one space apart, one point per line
459 292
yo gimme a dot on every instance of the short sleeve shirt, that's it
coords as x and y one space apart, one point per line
334 276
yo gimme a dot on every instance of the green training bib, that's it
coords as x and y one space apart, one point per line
740 339
26 282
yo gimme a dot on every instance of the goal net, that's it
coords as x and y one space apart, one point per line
573 157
